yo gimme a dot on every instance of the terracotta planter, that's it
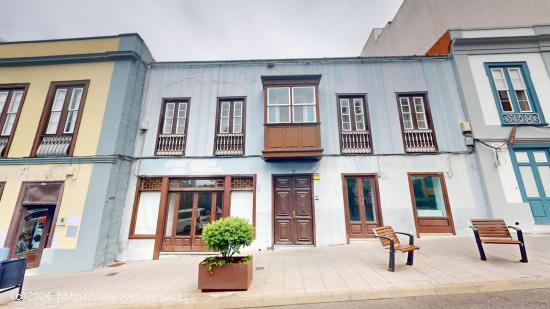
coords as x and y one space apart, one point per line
230 277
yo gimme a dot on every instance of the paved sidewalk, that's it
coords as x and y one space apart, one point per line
525 299
443 265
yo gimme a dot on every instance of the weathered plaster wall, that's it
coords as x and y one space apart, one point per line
72 202
40 78
465 195
380 79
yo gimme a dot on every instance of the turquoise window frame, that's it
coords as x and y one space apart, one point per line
512 150
531 93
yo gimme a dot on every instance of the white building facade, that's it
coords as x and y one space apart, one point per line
504 75
313 152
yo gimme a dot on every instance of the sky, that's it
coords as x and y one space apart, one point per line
187 30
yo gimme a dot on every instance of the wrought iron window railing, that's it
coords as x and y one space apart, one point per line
355 142
521 118
229 144
54 145
171 144
419 140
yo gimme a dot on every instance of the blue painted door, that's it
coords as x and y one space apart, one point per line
533 172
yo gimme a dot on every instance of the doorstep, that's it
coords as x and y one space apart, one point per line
435 235
292 247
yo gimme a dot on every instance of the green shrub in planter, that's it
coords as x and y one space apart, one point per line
227 236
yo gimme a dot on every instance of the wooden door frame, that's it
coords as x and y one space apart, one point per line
18 213
427 112
193 220
42 244
374 176
311 188
368 129
10 88
445 199
163 207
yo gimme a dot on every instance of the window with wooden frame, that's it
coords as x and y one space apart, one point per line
60 119
291 104
430 201
173 122
416 123
173 211
230 127
146 208
291 116
514 93
354 124
2 185
11 102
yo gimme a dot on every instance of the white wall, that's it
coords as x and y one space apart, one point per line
505 32
420 23
463 187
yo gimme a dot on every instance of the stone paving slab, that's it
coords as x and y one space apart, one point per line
443 265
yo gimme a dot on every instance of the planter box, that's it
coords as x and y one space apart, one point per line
230 277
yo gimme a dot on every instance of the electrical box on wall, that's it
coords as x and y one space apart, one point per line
469 141
465 127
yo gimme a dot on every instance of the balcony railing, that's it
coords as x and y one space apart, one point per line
171 145
229 144
419 141
54 145
355 142
3 143
521 118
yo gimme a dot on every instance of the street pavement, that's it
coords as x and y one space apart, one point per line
444 265
527 299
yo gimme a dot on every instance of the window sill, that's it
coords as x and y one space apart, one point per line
542 124
291 124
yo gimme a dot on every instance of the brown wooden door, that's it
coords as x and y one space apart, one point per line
293 210
32 233
362 205
188 213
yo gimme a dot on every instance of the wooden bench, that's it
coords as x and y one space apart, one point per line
495 231
390 241
12 274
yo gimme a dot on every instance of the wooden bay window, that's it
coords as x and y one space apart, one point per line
60 119
292 128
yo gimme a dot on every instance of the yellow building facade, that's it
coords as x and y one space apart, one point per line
66 140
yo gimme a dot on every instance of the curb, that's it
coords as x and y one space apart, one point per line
236 301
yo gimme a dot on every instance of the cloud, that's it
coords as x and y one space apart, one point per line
207 29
